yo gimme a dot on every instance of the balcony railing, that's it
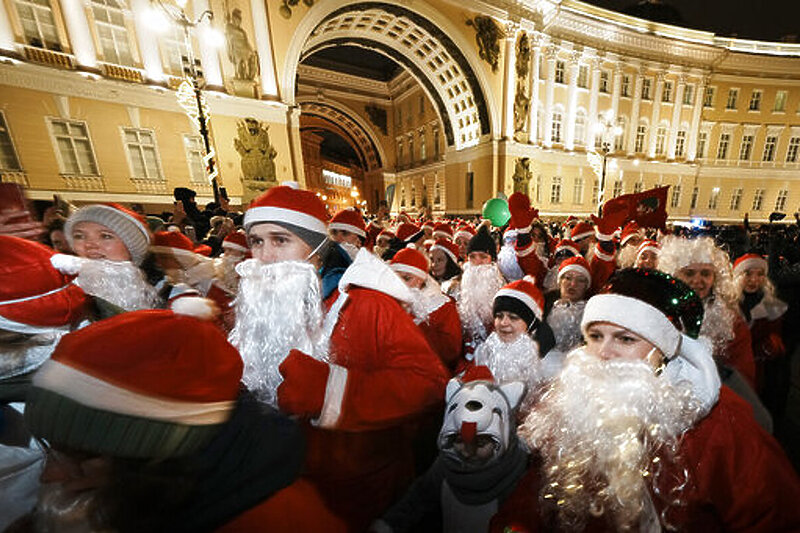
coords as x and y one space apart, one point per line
49 57
148 185
14 176
84 183
122 72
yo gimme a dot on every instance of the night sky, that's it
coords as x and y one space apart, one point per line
749 19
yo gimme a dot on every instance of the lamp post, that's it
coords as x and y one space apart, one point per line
190 92
608 130
354 194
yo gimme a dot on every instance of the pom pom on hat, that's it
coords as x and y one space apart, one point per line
164 394
410 261
34 295
131 228
349 220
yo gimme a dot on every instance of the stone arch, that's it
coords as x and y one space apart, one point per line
421 40
344 121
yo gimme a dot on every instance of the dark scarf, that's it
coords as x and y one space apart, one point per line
751 299
495 482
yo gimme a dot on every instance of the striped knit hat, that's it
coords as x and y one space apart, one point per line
131 228
162 394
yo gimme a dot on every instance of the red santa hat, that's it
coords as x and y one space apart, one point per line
386 233
130 227
630 230
429 224
522 298
236 241
646 245
406 230
164 394
567 245
443 230
173 242
581 230
575 264
349 220
748 261
450 249
34 296
299 211
410 261
464 231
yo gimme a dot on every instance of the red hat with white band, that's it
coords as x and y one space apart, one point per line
464 231
410 261
236 241
174 242
581 230
522 298
443 230
299 211
575 264
450 249
349 220
646 245
630 230
748 261
567 245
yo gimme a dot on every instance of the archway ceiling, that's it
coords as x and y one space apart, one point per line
328 117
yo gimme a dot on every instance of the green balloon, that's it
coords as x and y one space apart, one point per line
496 210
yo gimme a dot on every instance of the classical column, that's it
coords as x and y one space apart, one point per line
694 129
616 88
209 55
147 39
593 92
676 117
533 128
509 78
550 55
269 85
655 117
79 36
635 108
572 99
7 41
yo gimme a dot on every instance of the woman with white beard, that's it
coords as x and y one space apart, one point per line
444 267
637 433
110 242
564 317
434 312
513 351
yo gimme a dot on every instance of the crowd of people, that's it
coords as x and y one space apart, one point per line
284 370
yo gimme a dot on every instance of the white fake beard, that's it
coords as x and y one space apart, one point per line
17 358
60 511
717 324
507 263
626 256
118 282
565 321
350 248
278 309
551 280
426 300
517 360
226 272
479 284
599 427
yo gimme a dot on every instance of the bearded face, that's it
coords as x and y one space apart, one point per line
426 300
479 284
278 309
118 282
627 255
565 321
717 325
604 428
517 360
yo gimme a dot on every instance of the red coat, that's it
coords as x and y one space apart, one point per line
739 352
739 480
384 375
443 331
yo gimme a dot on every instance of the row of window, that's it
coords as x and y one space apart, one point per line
111 28
406 201
76 156
408 157
668 92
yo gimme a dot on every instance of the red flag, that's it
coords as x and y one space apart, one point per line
647 208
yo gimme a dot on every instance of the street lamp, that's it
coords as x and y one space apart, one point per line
190 91
608 130
354 194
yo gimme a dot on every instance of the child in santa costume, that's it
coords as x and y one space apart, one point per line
636 433
445 268
434 312
360 379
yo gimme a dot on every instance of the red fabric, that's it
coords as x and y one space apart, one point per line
739 352
298 507
739 480
522 214
443 332
413 258
647 208
393 377
173 239
767 343
602 268
305 202
303 389
350 217
531 264
157 353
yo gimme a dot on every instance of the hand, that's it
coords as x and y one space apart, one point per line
25 229
304 381
522 214
224 204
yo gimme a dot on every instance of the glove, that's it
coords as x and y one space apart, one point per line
614 216
522 214
302 391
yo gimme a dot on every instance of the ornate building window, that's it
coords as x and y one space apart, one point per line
604 81
193 144
688 94
617 188
666 94
769 148
647 88
38 24
758 199
625 88
755 100
794 148
675 201
583 76
780 101
560 69
423 146
713 200
142 154
702 143
638 187
111 30
680 143
733 97
580 127
708 97
8 154
746 148
661 137
577 191
555 135
736 199
619 140
173 45
695 194
722 149
555 190
641 135
780 201
76 154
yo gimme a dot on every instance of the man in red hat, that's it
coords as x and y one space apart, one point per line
347 228
375 374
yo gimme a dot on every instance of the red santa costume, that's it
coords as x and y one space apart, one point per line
379 376
434 312
668 449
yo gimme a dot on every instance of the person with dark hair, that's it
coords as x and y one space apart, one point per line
636 433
